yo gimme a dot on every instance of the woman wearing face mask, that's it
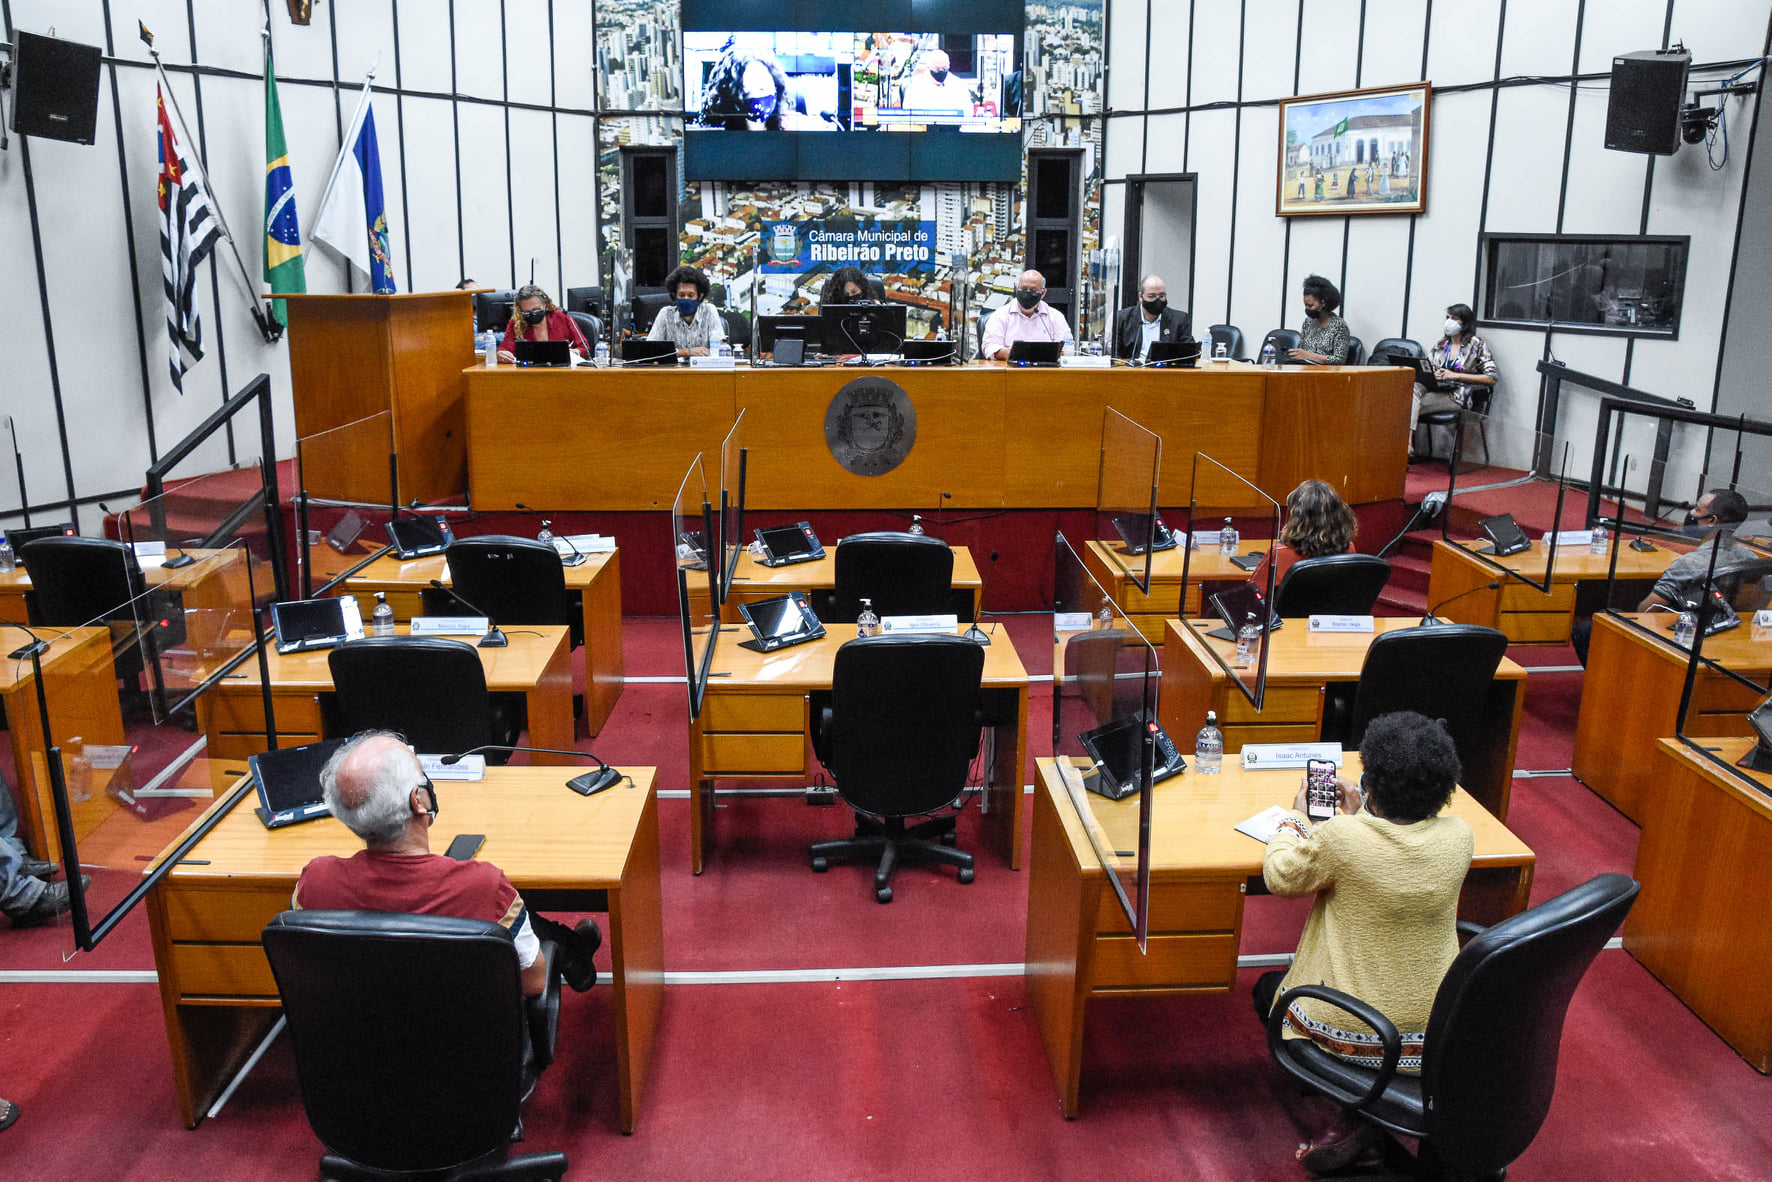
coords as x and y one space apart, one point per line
1324 338
691 323
1460 357
535 318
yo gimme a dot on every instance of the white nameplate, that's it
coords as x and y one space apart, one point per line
449 625
894 624
150 549
710 362
1570 537
468 769
1341 624
586 544
1256 756
1207 539
1072 622
1763 618
1080 361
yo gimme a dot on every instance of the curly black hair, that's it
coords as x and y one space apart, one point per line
686 274
1325 292
1411 766
836 287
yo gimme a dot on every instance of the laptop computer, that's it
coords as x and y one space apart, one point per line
542 352
1424 373
288 782
643 352
303 625
1184 354
1035 352
928 352
1236 605
1117 751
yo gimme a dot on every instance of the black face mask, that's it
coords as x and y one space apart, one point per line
535 316
1025 298
939 75
1311 313
1155 307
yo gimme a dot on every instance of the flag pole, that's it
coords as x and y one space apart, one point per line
252 295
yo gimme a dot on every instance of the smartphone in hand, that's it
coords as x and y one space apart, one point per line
1321 792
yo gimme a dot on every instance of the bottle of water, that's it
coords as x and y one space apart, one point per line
8 560
916 523
1104 615
1597 543
1209 746
1227 539
545 534
1270 357
382 619
1246 637
491 353
1069 348
1686 629
867 623
602 354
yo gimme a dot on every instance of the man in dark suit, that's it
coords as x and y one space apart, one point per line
1151 319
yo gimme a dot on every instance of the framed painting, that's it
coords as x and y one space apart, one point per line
1359 151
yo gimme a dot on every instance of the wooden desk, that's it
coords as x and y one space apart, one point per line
535 664
80 682
595 583
752 582
1167 599
1704 859
1079 944
1630 699
1526 614
991 436
213 589
1300 664
754 720
216 988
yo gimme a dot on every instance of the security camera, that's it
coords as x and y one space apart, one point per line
1697 122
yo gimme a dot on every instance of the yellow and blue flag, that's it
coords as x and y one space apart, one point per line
283 261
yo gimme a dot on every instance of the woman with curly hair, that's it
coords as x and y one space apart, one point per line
535 318
1324 339
1318 524
847 285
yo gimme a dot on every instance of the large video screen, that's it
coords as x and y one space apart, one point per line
851 82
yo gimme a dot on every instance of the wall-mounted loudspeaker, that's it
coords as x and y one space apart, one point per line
56 93
1643 114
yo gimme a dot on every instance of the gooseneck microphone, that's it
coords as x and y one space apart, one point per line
576 558
30 648
495 637
1431 618
588 784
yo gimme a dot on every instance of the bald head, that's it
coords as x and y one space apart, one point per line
1032 279
368 784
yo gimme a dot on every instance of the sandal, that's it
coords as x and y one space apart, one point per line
8 1113
1347 1141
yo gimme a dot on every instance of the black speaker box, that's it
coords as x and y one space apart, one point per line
56 94
1643 114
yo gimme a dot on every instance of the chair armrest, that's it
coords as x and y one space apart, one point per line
542 1011
1387 1033
1468 931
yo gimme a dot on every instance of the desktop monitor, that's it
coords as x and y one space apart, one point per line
492 310
863 328
770 329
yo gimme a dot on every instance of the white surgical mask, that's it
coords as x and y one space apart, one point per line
1452 327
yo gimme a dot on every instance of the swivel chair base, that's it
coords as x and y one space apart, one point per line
892 842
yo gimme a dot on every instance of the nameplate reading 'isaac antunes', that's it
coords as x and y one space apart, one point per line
870 426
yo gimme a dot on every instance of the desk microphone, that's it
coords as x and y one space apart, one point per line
182 560
586 785
976 634
1430 618
30 648
495 637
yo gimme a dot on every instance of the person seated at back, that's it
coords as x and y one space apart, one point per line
535 318
1461 358
1385 872
1151 320
1318 524
1324 338
375 786
1716 514
1029 318
691 323
847 285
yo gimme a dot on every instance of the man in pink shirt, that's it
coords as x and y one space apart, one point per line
1029 318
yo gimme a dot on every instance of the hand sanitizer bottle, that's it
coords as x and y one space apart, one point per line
867 623
382 619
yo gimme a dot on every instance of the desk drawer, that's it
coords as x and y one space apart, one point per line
753 754
1164 598
1170 962
1150 626
1518 597
1179 908
236 970
222 917
244 712
1719 695
1547 627
1282 705
725 713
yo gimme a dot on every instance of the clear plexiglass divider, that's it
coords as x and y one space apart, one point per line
1106 748
1127 524
117 746
693 553
1514 514
345 498
1228 568
734 463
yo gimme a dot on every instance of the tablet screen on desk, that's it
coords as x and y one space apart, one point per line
785 541
289 777
777 617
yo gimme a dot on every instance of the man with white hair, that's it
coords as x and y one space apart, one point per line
934 88
1029 318
374 784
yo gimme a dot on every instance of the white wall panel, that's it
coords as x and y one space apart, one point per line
1540 37
305 52
24 384
73 20
486 230
1124 153
1394 30
431 178
166 19
229 35
1268 56
424 45
1605 188
366 34
1530 126
1718 30
1618 28
1214 51
573 53
532 186
1210 156
1446 235
1316 249
1260 236
577 144
530 53
1377 258
1165 141
1128 33
1327 46
1169 49
1461 43
479 46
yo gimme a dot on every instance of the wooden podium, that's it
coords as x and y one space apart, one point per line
352 357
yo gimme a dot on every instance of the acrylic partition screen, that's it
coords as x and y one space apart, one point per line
338 534
1126 520
734 459
693 541
1104 706
117 743
1227 567
1526 487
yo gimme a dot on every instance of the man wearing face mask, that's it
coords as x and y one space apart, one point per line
1151 319
1029 318
934 88
691 323
535 318
1713 518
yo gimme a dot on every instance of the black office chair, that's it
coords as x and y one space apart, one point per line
1356 351
738 327
414 1045
876 289
79 581
1334 585
1489 1064
432 689
1454 420
515 580
1395 347
898 737
1281 339
1442 670
903 574
644 308
1230 336
589 325
984 314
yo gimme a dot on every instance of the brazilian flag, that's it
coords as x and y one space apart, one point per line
1340 128
283 261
